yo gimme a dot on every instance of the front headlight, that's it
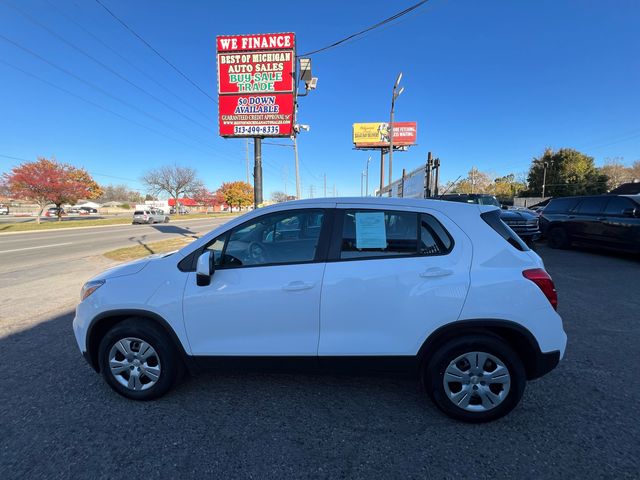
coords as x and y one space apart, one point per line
90 287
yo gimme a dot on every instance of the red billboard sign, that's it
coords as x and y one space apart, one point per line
256 85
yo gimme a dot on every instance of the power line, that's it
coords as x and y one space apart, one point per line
90 102
102 64
127 61
101 90
133 32
362 32
92 173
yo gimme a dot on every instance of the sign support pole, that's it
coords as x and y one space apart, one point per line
381 171
257 171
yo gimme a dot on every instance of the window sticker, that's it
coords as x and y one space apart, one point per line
370 230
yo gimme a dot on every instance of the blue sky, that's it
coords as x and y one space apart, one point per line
490 83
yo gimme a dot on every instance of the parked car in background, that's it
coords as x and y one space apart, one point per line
53 212
415 286
181 211
4 209
149 216
609 221
87 210
522 221
164 218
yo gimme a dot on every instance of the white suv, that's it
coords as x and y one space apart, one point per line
442 290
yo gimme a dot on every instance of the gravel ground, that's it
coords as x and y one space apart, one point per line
59 420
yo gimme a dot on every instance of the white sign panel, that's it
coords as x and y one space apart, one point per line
370 231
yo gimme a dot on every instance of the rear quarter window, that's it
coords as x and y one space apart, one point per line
493 219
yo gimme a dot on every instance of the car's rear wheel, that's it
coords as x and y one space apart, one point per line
558 238
475 378
139 360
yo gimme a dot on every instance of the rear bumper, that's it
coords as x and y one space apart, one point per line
544 364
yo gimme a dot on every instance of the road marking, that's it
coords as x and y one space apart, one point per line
32 248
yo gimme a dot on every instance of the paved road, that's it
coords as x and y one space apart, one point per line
49 248
42 272
59 420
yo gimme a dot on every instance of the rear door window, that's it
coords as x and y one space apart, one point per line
388 233
617 206
592 206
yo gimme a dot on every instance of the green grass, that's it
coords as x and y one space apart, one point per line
120 220
145 249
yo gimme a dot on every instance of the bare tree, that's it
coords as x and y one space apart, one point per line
616 172
174 180
279 197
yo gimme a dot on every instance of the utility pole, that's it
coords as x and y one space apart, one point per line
247 159
367 189
436 167
544 176
394 95
362 183
325 184
295 152
473 179
334 189
285 175
257 172
310 191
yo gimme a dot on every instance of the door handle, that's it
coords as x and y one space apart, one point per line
297 286
601 219
435 272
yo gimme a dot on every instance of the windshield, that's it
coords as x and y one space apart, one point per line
488 200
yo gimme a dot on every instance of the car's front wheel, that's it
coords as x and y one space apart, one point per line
139 360
475 378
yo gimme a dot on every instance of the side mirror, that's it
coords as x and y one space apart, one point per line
630 212
204 269
504 207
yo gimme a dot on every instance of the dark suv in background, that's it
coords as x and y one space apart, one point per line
610 221
525 223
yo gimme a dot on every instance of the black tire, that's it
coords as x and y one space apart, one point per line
557 237
433 376
148 331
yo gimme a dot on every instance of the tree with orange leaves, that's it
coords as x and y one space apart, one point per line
48 181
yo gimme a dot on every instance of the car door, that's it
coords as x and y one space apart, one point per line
393 275
264 296
621 229
586 221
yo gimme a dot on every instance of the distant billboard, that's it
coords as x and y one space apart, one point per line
372 135
256 84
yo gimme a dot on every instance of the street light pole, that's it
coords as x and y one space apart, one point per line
295 153
394 94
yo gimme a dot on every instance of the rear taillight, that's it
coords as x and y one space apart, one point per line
542 279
